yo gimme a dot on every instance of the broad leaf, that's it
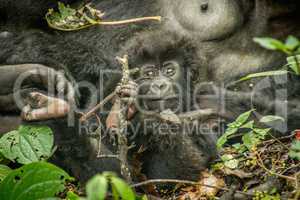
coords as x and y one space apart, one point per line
261 133
250 140
27 144
96 188
270 43
34 181
122 188
243 118
4 171
223 139
72 196
271 118
295 150
292 43
294 63
249 125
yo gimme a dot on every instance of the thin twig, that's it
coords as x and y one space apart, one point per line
277 140
128 21
105 23
108 156
261 164
98 106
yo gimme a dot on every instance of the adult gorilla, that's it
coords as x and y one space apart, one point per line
224 31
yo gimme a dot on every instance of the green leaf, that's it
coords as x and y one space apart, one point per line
261 133
293 63
4 171
223 139
28 144
295 150
144 197
115 193
239 147
96 188
65 11
270 118
292 43
295 145
229 161
240 120
72 196
270 43
264 74
34 181
294 155
248 125
123 189
250 140
243 117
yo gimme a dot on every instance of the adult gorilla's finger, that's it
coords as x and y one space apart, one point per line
61 83
47 108
70 94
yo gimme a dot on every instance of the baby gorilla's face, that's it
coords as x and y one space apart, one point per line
161 86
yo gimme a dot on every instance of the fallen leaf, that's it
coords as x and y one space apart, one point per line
210 180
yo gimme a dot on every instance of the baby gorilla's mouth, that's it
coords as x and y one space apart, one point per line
158 104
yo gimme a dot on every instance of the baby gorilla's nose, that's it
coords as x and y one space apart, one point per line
160 87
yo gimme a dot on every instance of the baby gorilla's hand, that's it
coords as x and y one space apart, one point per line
127 92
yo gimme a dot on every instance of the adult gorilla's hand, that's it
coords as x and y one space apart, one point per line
16 79
42 107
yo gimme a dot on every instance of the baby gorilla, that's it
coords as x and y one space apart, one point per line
164 126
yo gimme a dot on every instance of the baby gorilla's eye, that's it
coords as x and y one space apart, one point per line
169 68
149 71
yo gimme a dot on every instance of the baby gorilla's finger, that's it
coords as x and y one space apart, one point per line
128 92
128 100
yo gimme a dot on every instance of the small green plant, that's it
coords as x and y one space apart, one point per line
97 187
251 134
295 150
259 195
291 47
